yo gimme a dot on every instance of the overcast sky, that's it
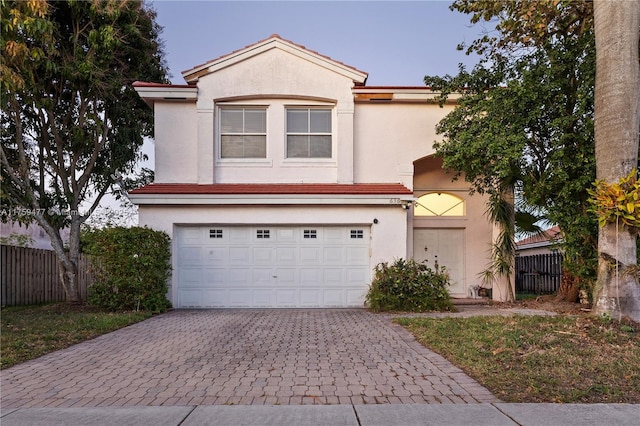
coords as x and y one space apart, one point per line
396 42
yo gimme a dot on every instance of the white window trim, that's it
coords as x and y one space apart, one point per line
321 161
240 162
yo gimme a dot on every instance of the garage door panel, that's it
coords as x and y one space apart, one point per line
240 298
333 235
357 275
333 298
214 255
263 298
287 255
286 276
190 298
310 298
214 298
263 256
190 277
333 255
214 276
357 255
239 275
310 276
272 266
190 256
355 296
286 298
191 236
335 276
310 256
239 255
262 276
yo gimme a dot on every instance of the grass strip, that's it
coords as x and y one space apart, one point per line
567 359
28 332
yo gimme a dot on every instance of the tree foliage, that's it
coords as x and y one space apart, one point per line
524 120
71 120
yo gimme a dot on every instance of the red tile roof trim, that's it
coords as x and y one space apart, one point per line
275 189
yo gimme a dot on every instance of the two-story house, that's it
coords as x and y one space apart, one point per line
283 180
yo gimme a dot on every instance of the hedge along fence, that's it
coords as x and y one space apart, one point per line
135 265
30 276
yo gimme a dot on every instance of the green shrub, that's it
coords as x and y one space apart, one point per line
407 285
132 268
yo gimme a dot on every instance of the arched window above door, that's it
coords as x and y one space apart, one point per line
439 204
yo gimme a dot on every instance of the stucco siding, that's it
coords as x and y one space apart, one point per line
176 149
390 137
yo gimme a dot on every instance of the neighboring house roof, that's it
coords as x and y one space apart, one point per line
276 189
192 75
546 238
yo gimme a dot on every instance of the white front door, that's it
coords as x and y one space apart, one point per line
272 266
446 246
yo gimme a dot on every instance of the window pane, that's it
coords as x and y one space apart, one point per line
297 121
231 120
255 147
255 121
298 146
439 204
320 121
320 146
231 146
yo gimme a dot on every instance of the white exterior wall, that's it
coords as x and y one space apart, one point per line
390 137
388 236
176 153
276 79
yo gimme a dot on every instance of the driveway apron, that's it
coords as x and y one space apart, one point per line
242 357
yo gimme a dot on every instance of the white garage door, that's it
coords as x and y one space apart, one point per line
272 266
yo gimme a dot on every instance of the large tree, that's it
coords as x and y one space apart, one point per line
524 122
71 121
617 125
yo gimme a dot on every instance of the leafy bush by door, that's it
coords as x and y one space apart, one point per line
407 285
132 265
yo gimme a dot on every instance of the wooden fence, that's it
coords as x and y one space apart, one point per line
30 276
540 273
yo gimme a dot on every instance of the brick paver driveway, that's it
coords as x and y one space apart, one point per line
321 356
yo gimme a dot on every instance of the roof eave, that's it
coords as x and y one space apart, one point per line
152 93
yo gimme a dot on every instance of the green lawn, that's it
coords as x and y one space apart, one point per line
569 359
27 332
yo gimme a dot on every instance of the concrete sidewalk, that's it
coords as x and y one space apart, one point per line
495 414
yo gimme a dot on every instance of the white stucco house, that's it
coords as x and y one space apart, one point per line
283 179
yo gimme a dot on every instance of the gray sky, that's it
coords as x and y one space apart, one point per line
396 42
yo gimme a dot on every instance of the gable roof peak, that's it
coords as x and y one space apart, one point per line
192 75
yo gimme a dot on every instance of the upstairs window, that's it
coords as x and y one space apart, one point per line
243 132
308 133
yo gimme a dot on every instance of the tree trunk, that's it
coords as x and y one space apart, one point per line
67 259
569 290
617 122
